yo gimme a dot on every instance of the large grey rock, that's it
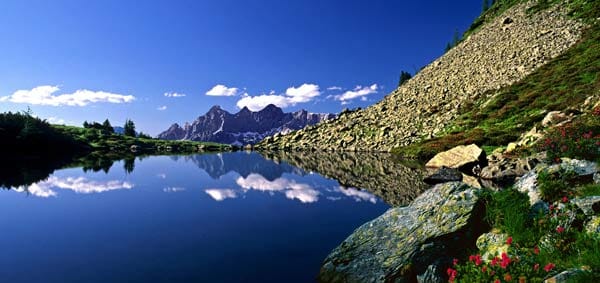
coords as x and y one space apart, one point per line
589 205
528 184
593 225
579 167
405 241
433 274
462 157
507 169
565 276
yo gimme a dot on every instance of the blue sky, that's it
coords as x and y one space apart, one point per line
160 62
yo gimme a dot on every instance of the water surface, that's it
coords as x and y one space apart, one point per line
230 217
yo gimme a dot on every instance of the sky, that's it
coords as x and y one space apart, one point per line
161 62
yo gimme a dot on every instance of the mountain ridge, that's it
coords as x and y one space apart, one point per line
243 127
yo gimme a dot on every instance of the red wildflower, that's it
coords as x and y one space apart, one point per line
536 267
451 274
560 229
507 277
497 281
565 199
484 269
505 261
551 207
495 261
477 260
509 241
588 135
536 250
549 267
455 261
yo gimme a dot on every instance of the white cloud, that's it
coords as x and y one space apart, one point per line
79 185
221 194
174 94
334 88
221 90
55 120
292 190
359 91
357 195
161 175
292 96
162 108
44 95
256 103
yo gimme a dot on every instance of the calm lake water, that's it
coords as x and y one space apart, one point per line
230 217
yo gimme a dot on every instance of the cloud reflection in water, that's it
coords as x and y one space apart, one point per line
79 185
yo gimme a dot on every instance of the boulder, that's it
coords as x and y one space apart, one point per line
589 205
406 241
505 170
553 118
444 175
597 178
463 158
566 276
492 245
593 225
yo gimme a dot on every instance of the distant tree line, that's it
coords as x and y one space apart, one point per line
22 133
404 77
107 128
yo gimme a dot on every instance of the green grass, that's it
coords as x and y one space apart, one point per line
563 83
589 190
118 144
509 211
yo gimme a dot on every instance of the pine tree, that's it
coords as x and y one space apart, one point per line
404 76
129 128
107 127
485 5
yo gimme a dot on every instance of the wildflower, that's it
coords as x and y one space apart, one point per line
451 274
536 250
495 261
484 269
536 267
551 207
560 229
509 241
455 261
522 279
549 267
497 281
477 260
505 261
507 277
565 199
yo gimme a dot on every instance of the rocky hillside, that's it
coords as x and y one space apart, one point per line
244 127
503 51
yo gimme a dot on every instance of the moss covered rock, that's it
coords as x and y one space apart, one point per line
402 243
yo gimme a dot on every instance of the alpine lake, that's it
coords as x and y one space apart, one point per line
215 217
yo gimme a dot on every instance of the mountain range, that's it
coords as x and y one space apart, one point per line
244 127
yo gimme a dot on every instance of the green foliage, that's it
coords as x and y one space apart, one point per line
554 186
23 134
509 211
589 190
404 77
554 242
579 139
142 135
129 128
